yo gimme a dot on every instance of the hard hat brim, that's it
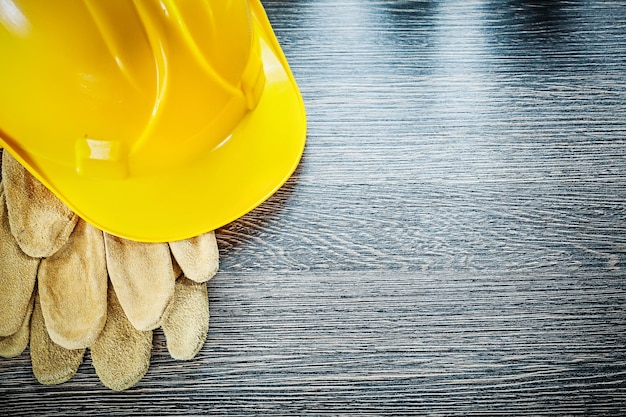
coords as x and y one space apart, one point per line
229 181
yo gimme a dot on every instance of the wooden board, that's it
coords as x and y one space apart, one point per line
452 243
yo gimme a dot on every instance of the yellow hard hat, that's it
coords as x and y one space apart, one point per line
154 120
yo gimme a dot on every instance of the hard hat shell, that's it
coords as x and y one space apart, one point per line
154 120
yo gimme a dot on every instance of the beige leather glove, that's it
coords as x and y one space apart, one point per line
66 286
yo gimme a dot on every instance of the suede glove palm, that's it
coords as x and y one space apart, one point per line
66 286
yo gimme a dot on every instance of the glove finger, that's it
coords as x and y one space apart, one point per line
186 319
143 277
40 222
15 344
121 354
198 257
18 273
73 289
52 364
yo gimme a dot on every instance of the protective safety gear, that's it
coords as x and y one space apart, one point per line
153 120
54 290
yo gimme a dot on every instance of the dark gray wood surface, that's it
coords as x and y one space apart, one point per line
453 242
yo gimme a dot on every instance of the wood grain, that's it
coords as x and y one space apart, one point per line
452 243
385 344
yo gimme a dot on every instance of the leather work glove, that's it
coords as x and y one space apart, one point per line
66 286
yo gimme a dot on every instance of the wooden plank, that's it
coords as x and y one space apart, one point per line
518 226
378 343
